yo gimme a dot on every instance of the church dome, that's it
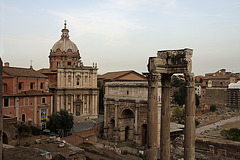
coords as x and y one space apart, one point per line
64 44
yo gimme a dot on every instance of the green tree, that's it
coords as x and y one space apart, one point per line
232 134
179 115
213 108
176 82
60 122
180 94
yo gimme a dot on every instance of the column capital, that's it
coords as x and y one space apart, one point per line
189 77
166 80
153 78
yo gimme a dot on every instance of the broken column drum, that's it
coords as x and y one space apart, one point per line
167 63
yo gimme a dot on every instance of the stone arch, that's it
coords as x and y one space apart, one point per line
5 138
144 134
127 113
112 124
111 128
127 128
126 122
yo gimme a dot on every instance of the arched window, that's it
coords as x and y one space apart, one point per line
69 78
23 117
78 80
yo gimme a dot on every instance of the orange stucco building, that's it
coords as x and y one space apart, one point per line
25 95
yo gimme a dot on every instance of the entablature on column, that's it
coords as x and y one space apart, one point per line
171 61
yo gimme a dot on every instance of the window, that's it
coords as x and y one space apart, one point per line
43 100
69 63
78 80
57 64
31 85
23 117
6 102
69 78
20 85
41 85
127 92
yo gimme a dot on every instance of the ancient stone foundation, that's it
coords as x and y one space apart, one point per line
161 68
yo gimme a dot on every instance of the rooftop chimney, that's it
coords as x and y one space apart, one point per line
6 64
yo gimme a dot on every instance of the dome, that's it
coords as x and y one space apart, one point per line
64 44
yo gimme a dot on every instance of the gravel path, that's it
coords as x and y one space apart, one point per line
214 125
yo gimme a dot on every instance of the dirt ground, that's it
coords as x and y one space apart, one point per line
212 117
28 149
215 134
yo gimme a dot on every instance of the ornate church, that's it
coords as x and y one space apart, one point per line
73 84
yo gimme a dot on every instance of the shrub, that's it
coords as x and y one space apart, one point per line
35 131
197 122
27 144
213 108
232 134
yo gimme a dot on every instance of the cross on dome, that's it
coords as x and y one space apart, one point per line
65 24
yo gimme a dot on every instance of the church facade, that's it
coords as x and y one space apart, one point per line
74 85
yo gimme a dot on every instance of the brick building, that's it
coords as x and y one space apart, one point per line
25 95
214 87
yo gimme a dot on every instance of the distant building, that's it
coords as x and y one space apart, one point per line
233 95
198 89
125 106
214 87
119 76
25 95
74 85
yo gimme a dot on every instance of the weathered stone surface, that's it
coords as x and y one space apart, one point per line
166 63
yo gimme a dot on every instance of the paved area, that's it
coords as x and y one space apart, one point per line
214 125
81 126
7 146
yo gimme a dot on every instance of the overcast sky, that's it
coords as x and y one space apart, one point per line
122 34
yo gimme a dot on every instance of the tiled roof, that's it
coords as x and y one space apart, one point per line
113 75
46 71
22 72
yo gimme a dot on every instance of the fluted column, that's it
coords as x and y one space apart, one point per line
189 140
152 126
165 118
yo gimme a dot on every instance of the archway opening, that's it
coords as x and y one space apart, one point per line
127 113
23 117
144 134
5 139
112 124
127 133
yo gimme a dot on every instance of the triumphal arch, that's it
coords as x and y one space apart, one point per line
161 68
